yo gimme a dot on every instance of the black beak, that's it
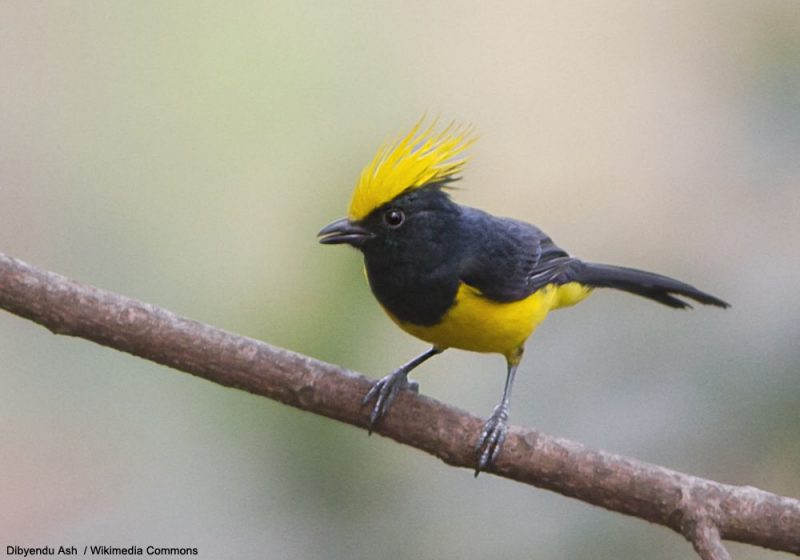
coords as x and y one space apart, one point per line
344 231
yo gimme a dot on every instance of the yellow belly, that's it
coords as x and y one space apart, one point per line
481 325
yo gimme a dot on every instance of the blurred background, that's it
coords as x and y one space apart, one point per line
186 154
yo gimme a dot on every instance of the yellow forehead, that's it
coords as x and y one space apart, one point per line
421 157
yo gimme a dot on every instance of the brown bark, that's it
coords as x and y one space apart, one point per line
703 511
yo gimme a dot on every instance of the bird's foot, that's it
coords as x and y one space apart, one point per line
384 391
492 438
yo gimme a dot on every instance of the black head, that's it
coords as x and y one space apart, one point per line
411 252
411 249
413 221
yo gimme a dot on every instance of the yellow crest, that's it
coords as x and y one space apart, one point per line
420 158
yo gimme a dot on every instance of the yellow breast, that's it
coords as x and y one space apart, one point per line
479 324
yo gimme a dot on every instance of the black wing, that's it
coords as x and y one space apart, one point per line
508 260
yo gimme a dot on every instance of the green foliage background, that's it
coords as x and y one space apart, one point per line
186 153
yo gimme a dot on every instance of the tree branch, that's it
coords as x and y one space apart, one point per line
703 511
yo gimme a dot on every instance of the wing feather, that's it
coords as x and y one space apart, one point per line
507 260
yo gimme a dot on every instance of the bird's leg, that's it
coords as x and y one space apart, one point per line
384 391
496 427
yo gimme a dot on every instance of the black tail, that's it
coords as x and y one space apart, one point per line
647 284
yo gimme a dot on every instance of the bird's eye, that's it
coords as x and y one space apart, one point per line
394 218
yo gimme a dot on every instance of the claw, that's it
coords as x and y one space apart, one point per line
384 392
492 438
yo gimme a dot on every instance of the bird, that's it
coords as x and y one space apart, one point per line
459 277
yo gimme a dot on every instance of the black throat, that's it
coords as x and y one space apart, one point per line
414 270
